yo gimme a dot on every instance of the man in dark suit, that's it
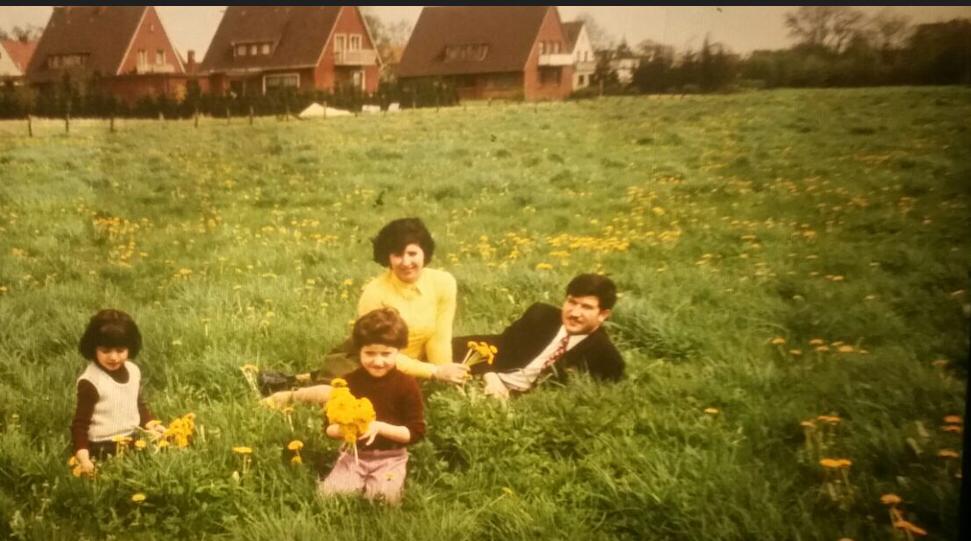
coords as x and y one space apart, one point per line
550 340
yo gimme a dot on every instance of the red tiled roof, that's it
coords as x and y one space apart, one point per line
298 35
102 32
20 52
508 31
571 31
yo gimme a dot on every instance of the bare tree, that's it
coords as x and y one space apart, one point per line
27 32
889 30
600 39
829 27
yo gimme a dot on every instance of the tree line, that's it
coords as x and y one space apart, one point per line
835 46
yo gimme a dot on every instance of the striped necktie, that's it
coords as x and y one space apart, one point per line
560 350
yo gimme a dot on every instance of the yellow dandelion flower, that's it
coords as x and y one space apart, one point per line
138 497
807 424
338 382
956 429
829 419
953 419
140 444
543 266
295 445
835 463
777 341
817 342
242 450
845 349
296 460
948 453
890 499
711 411
795 352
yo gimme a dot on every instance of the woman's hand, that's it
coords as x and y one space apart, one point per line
452 373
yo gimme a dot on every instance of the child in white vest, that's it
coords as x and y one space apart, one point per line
109 402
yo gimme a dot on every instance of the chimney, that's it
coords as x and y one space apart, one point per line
190 63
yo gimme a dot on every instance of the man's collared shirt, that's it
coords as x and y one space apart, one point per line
523 379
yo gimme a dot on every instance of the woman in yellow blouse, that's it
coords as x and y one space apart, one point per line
424 297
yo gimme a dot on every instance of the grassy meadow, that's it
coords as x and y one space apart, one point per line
794 276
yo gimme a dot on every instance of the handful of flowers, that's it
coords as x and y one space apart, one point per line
179 432
480 352
353 415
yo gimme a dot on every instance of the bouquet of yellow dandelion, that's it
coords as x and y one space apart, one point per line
178 433
353 415
480 352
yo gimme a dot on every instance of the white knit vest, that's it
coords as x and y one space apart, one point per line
116 412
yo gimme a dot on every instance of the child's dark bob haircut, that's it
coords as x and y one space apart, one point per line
397 235
110 328
381 326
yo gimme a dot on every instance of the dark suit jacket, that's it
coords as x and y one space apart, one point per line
526 338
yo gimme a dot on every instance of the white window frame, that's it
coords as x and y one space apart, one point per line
340 42
241 49
283 76
354 42
142 57
160 56
265 49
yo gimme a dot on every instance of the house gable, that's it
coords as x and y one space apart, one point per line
150 50
258 38
466 40
84 40
8 68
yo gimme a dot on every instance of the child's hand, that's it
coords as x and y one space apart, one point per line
372 432
155 428
87 467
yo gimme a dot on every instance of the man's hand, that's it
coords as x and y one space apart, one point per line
452 373
494 386
278 400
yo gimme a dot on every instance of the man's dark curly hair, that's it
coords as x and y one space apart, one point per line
397 235
110 328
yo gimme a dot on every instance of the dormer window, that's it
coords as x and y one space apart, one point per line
57 61
252 48
466 52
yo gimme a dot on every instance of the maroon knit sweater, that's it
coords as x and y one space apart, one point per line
88 397
397 401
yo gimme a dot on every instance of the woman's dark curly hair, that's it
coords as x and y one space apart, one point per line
110 328
382 326
397 235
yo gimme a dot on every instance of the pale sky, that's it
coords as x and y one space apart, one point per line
741 28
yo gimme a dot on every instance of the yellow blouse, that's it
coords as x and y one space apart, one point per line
427 306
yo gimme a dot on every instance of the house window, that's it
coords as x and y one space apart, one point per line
354 42
467 52
542 47
160 56
549 76
254 49
240 50
265 49
280 81
340 41
142 57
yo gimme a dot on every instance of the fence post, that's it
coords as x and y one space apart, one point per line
111 123
227 114
250 115
67 118
30 126
196 115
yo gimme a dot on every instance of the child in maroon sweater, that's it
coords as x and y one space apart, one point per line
109 403
379 469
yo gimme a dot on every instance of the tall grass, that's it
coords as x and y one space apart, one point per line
752 236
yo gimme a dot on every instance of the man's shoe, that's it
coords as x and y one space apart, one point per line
270 382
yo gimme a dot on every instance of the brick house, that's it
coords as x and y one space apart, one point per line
14 58
258 49
584 59
516 52
123 51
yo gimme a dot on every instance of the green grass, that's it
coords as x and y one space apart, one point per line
727 221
